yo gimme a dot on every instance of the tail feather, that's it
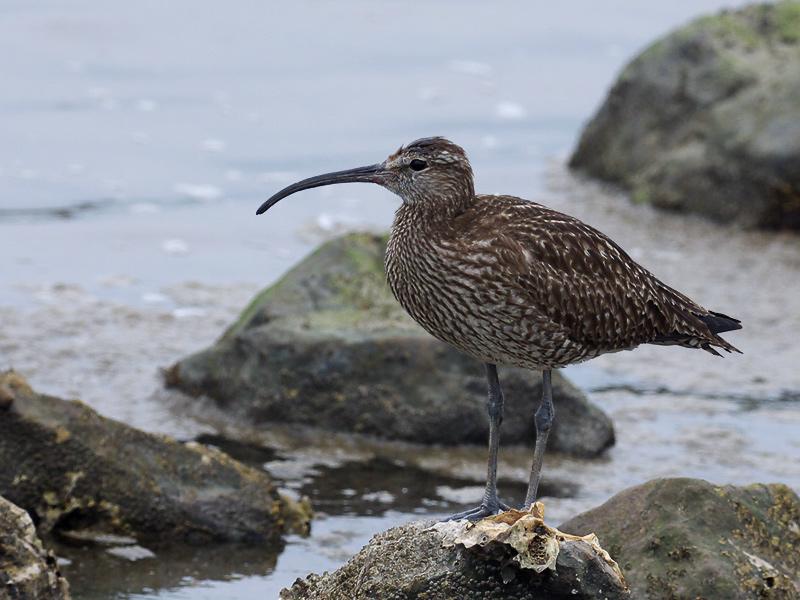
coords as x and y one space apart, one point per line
715 323
710 349
719 323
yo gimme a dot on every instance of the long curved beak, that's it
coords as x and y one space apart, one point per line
368 174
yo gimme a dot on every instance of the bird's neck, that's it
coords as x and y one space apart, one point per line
418 229
423 216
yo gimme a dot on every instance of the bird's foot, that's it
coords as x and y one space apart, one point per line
487 508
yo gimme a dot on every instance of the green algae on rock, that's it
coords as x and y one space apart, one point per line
27 570
687 538
707 120
328 346
76 471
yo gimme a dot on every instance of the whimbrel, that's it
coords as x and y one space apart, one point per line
512 282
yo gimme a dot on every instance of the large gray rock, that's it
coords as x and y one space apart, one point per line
707 120
81 475
687 538
328 346
500 558
27 570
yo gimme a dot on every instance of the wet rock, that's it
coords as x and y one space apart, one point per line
687 538
707 120
328 346
80 474
513 556
27 571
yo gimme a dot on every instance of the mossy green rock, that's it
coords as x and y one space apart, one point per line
27 570
686 538
329 346
707 120
79 474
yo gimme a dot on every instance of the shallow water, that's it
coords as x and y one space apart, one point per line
139 139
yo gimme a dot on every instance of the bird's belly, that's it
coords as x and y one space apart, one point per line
490 327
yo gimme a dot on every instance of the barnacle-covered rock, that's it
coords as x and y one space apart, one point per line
82 475
27 570
687 538
512 556
536 544
328 346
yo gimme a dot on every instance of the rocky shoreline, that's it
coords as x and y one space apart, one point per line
703 121
81 475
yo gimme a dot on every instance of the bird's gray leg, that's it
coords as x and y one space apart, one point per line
544 421
490 504
494 406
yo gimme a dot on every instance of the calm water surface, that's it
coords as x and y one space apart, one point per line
138 139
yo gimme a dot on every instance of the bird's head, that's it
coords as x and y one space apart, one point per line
427 171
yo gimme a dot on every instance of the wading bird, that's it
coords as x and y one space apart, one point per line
512 282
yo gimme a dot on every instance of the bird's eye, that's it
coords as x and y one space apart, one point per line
417 164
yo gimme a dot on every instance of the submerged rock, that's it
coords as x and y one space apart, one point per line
328 346
27 571
707 120
687 538
513 556
80 474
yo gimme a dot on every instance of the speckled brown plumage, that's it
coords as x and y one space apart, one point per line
510 281
513 282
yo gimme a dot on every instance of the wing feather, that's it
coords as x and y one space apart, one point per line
582 280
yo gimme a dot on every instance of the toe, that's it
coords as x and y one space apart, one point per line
470 514
474 514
